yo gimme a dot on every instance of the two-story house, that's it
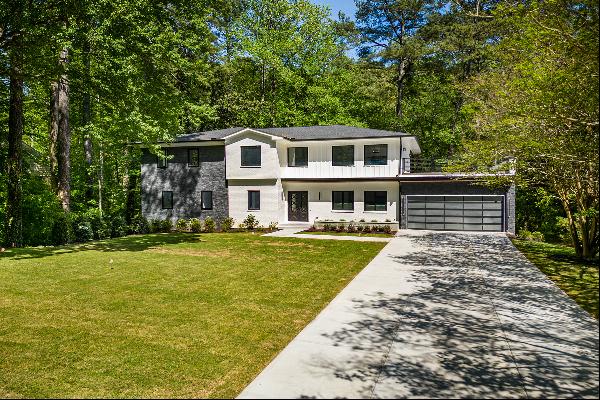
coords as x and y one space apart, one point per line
302 174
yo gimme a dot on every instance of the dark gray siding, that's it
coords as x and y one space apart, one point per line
186 183
457 188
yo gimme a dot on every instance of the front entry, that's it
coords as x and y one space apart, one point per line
298 206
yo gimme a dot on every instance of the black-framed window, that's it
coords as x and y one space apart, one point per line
297 156
206 200
342 155
376 201
253 200
342 200
193 157
250 156
167 199
162 162
376 154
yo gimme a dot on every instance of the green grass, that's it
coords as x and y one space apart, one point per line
578 278
164 315
375 234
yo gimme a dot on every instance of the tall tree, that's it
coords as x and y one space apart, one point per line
390 30
11 35
541 104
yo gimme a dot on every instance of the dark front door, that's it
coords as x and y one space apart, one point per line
297 206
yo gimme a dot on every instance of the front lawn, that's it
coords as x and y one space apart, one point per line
164 315
576 277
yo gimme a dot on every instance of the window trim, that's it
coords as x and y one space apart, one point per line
249 197
365 154
162 203
375 203
343 202
242 157
333 162
288 156
189 152
202 207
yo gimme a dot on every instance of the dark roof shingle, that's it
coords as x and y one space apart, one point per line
318 132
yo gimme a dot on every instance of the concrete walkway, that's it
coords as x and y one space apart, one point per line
441 315
293 233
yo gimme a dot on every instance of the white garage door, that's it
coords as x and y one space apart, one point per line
455 213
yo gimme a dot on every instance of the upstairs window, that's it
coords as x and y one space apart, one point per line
250 156
167 200
162 162
193 158
376 201
342 155
376 154
343 200
206 200
253 200
298 157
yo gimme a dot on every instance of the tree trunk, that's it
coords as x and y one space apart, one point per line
403 67
64 136
14 205
100 179
86 121
54 118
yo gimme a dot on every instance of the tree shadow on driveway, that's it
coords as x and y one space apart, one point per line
481 322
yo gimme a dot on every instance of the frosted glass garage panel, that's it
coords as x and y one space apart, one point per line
455 213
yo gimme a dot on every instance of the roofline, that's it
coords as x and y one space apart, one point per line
274 137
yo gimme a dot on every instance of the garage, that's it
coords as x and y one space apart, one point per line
455 213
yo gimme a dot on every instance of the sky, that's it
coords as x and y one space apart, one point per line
347 6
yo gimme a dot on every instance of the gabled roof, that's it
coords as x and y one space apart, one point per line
218 134
329 132
318 132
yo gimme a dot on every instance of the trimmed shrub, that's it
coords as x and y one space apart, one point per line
166 225
351 228
155 226
118 226
209 224
273 226
195 225
367 229
62 231
227 224
387 229
250 222
531 236
83 231
181 225
139 225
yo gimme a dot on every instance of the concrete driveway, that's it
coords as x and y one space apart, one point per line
441 315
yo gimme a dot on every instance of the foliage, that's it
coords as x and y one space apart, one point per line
182 225
166 225
209 224
62 230
524 234
195 225
540 105
273 226
250 222
226 224
139 225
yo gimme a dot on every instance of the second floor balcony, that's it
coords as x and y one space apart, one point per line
437 166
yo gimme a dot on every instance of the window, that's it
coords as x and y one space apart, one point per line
206 202
376 201
253 200
162 162
167 200
298 157
342 155
343 200
193 158
250 156
376 154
